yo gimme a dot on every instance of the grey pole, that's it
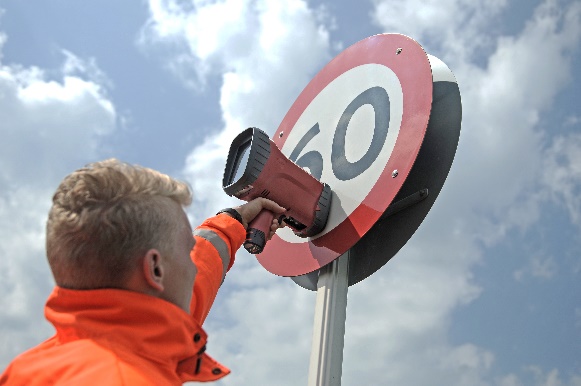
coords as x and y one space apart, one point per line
329 327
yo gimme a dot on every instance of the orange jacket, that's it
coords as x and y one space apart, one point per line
118 337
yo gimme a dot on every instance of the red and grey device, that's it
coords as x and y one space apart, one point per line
257 168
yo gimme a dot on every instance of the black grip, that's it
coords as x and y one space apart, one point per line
255 241
257 232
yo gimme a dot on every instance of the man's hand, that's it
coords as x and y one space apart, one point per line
251 209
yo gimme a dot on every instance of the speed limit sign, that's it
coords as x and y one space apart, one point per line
358 126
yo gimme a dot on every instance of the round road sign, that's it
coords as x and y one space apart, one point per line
420 189
357 126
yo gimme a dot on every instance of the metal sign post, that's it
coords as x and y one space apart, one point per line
329 326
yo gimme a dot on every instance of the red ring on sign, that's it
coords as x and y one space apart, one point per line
407 59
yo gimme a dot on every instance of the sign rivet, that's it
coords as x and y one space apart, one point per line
281 134
394 173
398 51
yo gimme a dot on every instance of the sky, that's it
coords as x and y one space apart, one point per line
487 291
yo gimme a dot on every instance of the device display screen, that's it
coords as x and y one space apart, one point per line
241 161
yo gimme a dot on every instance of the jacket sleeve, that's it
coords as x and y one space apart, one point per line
217 240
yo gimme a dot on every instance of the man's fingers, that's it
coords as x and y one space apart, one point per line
271 205
275 226
251 209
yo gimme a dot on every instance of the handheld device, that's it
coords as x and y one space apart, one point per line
257 168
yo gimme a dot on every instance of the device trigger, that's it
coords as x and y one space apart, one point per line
281 219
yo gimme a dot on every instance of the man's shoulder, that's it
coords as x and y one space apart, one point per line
74 363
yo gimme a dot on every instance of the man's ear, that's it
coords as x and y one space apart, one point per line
153 269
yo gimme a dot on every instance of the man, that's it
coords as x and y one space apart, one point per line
122 254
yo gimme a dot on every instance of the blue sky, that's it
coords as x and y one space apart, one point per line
487 292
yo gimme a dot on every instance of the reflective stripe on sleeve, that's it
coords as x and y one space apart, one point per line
219 244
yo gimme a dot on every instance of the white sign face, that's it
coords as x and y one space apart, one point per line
358 127
358 116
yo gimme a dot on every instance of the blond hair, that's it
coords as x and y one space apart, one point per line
104 216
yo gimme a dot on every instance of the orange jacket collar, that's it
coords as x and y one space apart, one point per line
125 320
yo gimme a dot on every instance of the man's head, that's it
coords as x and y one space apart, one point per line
115 225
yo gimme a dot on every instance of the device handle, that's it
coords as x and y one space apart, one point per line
258 231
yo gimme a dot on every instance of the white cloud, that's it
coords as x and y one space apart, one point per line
263 332
49 128
551 378
538 267
455 30
45 124
495 180
501 145
399 318
562 173
264 52
539 378
2 40
572 120
509 380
